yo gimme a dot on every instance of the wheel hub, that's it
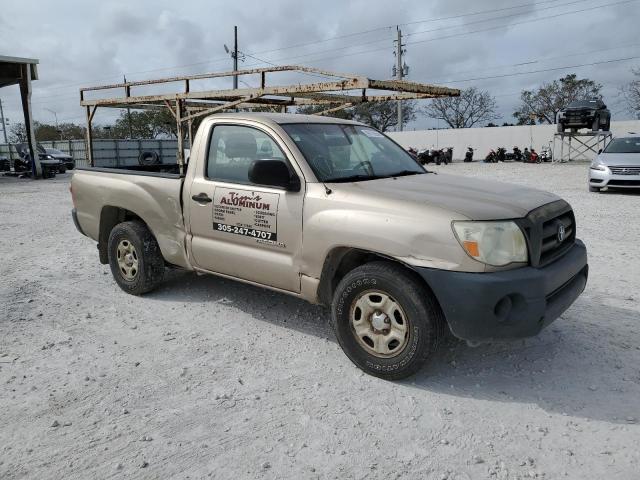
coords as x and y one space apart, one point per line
127 259
379 323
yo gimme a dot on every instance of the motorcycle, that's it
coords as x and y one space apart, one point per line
501 154
491 157
424 157
546 155
468 157
531 156
517 154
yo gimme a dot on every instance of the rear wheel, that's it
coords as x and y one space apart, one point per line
385 320
135 259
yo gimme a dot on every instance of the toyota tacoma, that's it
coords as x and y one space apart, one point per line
336 213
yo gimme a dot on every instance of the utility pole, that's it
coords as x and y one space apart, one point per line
55 114
128 113
235 56
4 125
400 69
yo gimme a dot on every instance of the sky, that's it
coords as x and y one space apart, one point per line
502 46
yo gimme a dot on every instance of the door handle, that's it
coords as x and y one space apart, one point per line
201 198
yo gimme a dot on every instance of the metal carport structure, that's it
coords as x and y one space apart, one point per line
21 71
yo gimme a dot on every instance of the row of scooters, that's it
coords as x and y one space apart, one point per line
516 155
445 155
431 155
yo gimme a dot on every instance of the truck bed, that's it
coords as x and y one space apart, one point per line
101 193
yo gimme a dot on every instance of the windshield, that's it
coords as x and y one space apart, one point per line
585 104
348 153
54 151
624 145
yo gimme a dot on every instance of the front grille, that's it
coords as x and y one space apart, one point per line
622 170
624 183
542 226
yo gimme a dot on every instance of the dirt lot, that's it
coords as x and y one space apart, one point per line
207 378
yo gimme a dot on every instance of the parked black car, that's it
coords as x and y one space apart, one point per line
50 166
65 159
592 114
5 166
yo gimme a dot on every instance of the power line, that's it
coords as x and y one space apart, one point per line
222 59
462 34
565 67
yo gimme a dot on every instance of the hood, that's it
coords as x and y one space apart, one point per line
473 198
620 158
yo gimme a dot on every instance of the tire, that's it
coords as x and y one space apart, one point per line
148 158
595 126
413 306
607 126
147 269
560 128
594 189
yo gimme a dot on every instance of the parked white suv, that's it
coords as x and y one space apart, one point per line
617 166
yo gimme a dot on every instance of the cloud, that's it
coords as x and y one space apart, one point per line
80 43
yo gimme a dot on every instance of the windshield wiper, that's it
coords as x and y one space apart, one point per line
404 173
353 178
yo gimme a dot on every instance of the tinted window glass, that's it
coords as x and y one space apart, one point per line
350 152
624 145
232 150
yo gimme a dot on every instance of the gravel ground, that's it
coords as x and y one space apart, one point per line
207 378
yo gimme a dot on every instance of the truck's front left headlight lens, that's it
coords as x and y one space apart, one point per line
493 243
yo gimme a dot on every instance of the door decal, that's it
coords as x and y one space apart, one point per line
246 212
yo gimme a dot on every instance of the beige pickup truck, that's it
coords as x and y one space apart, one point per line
336 213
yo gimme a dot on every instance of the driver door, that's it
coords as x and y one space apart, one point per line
247 231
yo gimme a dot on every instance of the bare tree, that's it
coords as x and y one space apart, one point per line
544 103
384 115
632 92
473 106
17 133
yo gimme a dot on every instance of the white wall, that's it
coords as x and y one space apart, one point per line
486 138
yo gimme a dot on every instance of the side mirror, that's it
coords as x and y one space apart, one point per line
273 173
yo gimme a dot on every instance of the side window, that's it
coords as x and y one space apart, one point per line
232 150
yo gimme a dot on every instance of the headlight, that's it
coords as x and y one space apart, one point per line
598 164
493 243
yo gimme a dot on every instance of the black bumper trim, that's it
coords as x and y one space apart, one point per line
512 303
74 215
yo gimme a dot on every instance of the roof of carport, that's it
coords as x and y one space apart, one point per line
10 71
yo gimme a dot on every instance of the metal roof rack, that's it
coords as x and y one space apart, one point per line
336 90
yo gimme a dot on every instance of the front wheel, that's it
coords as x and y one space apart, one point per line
594 189
385 320
135 259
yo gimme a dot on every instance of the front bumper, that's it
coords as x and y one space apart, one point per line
511 303
605 178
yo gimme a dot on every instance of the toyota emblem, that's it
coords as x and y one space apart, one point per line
561 233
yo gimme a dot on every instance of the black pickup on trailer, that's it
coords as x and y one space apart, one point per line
592 114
